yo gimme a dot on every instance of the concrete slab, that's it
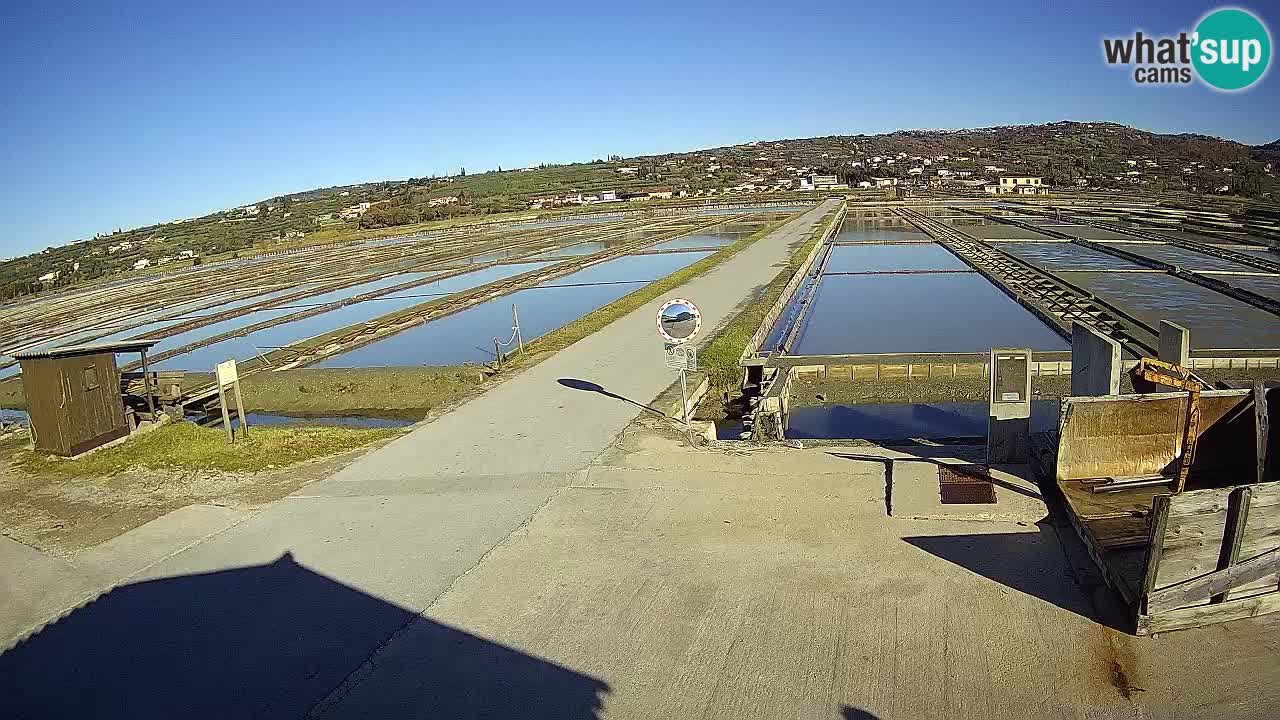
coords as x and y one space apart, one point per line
167 535
708 605
914 493
404 549
36 588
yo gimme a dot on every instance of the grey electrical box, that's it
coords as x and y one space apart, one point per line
1009 423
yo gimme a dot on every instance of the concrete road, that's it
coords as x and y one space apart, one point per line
298 596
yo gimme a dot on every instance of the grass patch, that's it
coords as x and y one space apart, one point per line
186 446
719 357
401 392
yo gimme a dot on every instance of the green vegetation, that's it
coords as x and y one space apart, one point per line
1067 154
719 357
189 447
409 392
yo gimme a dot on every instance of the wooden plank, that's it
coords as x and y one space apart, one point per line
1198 524
1262 427
1112 577
1155 546
1094 506
1208 614
1197 589
1233 535
1120 532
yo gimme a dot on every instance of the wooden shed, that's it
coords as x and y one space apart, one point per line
73 395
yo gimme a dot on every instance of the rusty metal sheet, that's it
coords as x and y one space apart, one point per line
966 485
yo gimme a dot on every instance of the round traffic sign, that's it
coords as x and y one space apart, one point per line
679 321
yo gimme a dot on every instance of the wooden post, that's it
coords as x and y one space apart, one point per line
226 416
1262 426
244 420
1233 533
146 384
1155 546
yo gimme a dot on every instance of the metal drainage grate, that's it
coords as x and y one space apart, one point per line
966 485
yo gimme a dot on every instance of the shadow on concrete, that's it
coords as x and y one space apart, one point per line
959 468
848 712
588 386
271 641
1031 563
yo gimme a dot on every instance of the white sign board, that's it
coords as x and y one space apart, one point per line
679 321
681 357
227 374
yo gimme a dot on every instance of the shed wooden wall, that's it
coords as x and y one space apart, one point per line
68 417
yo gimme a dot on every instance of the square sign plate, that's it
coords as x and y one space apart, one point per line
681 357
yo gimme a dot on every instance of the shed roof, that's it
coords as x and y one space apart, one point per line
87 349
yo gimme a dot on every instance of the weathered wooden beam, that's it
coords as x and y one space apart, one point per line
1262 426
1200 615
1233 532
1155 546
1196 589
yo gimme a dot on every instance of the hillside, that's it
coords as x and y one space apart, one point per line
1068 154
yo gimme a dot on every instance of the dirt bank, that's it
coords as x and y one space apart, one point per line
400 392
63 513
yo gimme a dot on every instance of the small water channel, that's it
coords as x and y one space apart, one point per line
892 257
267 339
924 313
719 236
1186 258
467 336
1059 256
1215 320
903 421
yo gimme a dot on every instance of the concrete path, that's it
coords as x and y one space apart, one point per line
300 596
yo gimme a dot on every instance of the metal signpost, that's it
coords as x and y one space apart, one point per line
678 323
228 376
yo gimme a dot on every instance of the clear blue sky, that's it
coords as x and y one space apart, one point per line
124 114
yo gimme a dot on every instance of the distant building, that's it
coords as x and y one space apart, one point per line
864 184
1018 185
143 263
628 170
884 182
440 201
823 182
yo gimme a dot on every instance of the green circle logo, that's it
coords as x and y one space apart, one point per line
1232 49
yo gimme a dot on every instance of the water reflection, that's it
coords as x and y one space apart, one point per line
467 336
901 421
944 312
909 256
